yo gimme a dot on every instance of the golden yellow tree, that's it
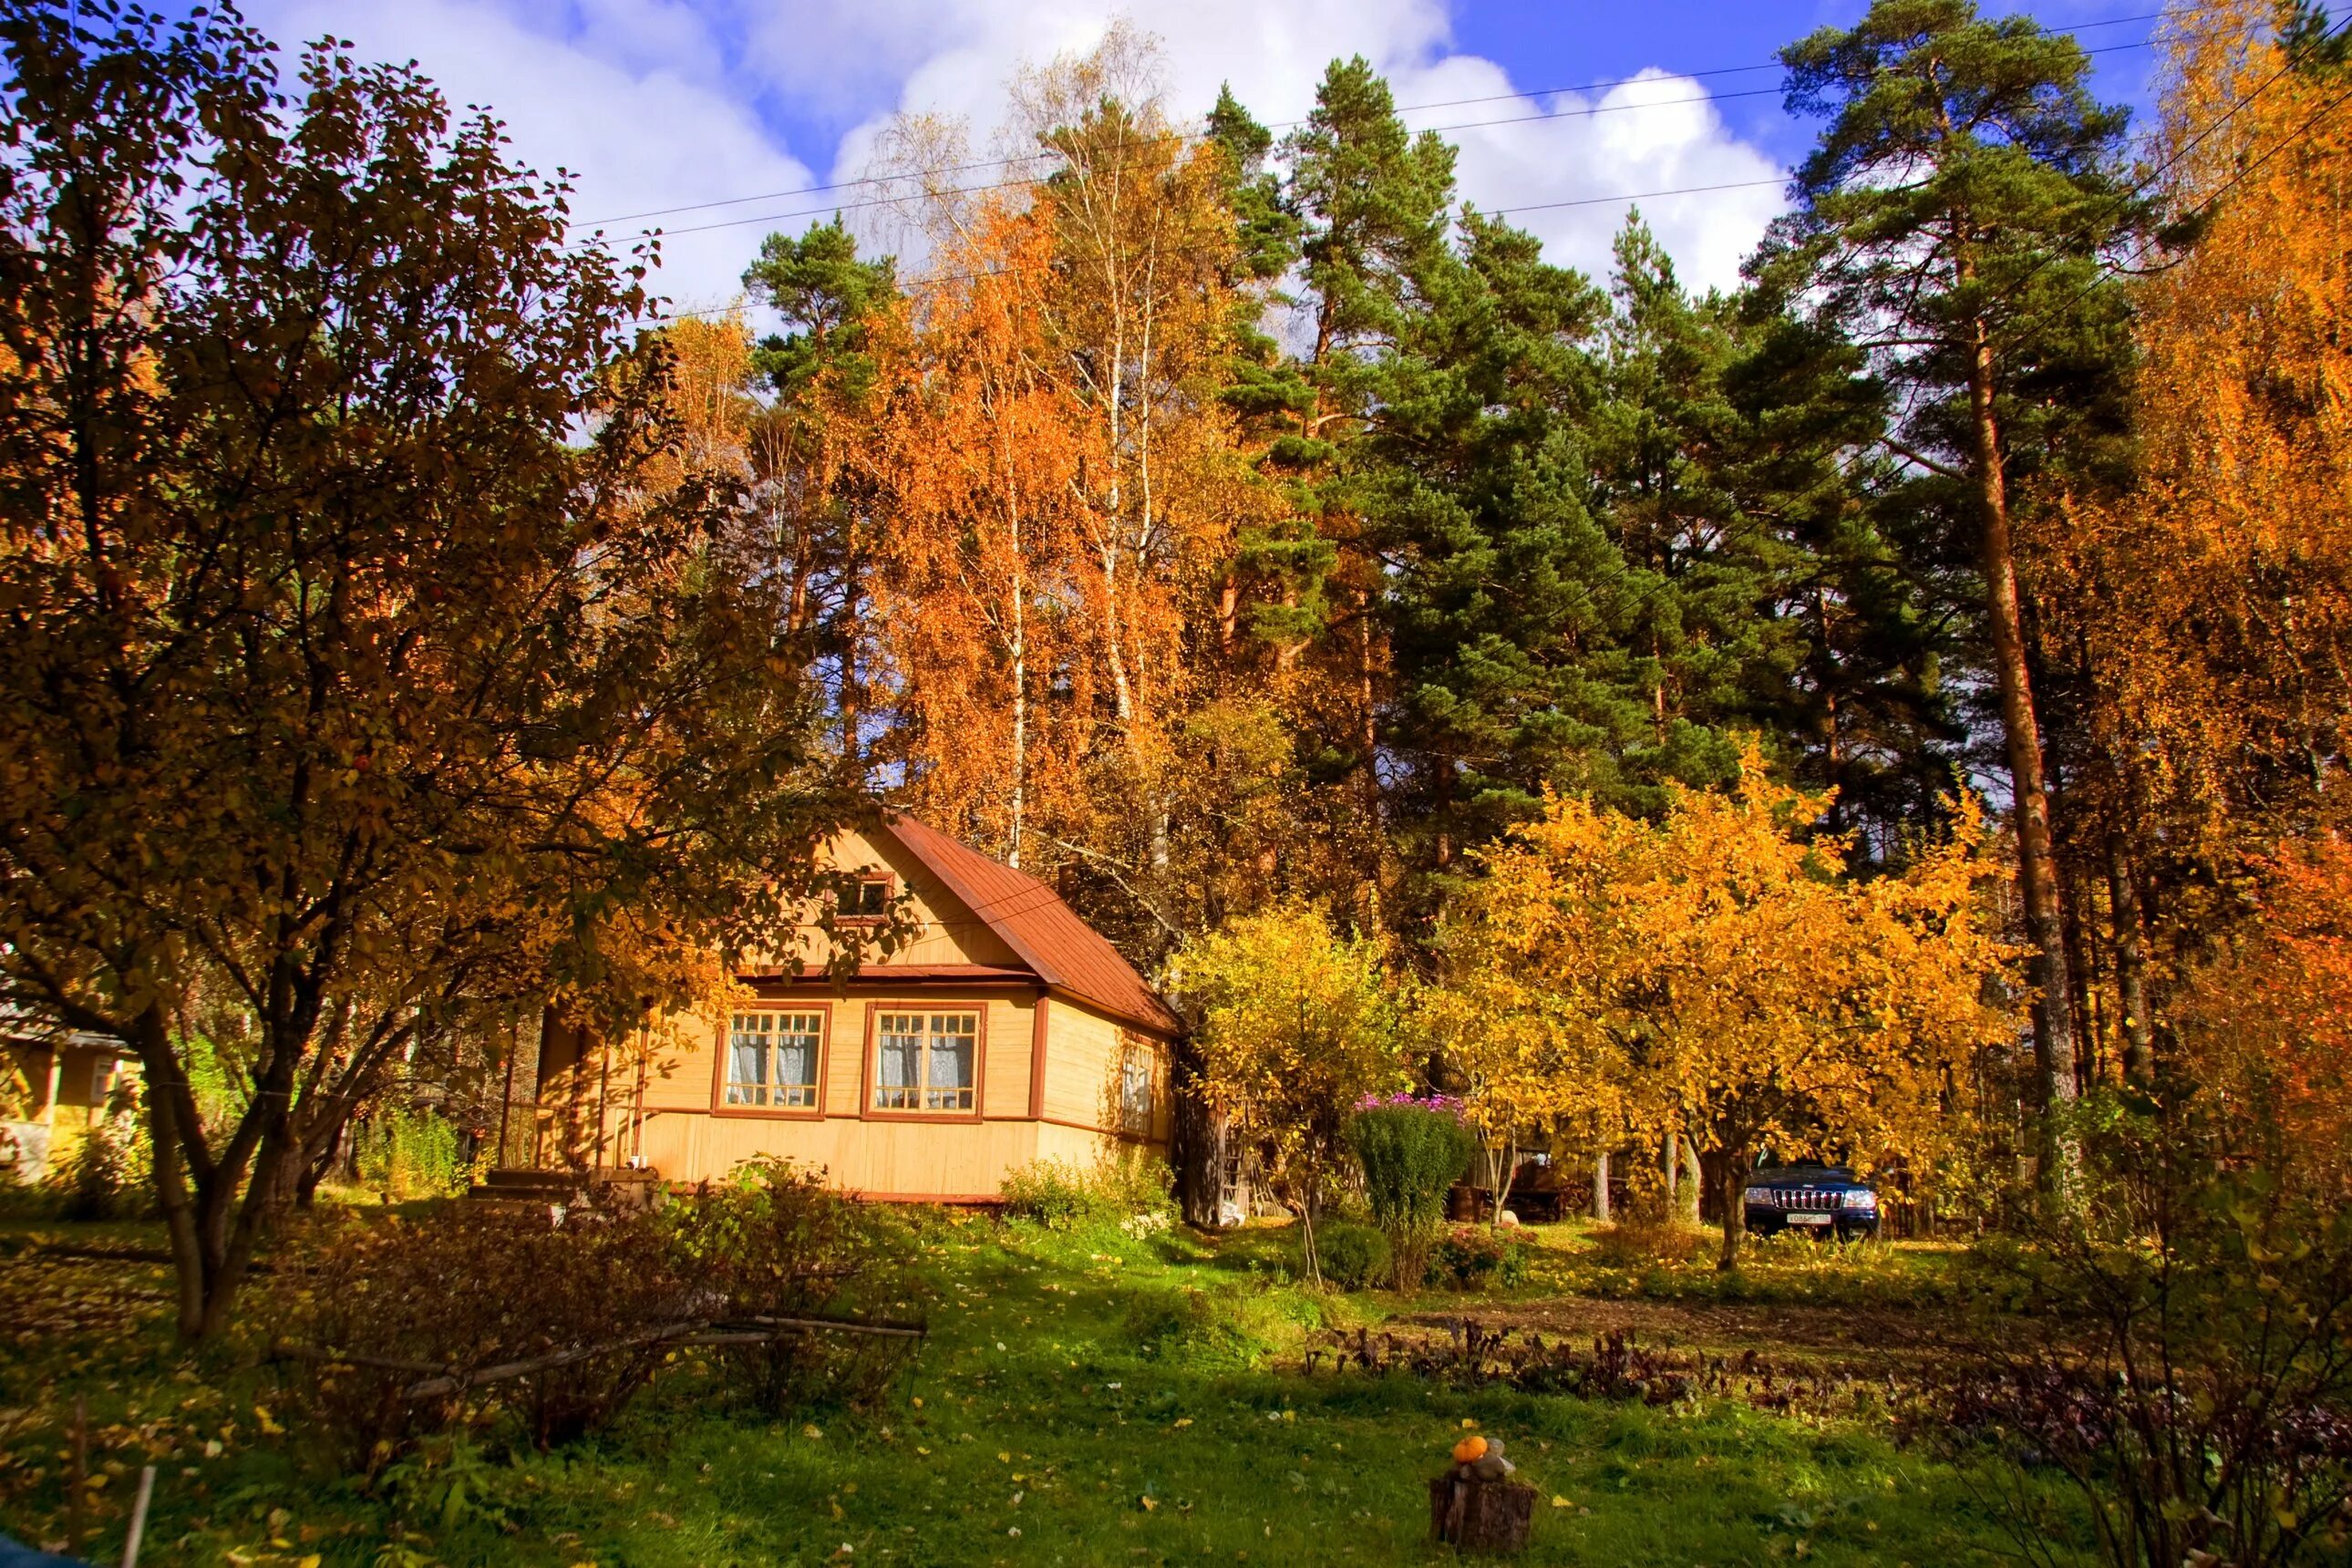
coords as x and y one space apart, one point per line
1715 973
1297 1024
1066 477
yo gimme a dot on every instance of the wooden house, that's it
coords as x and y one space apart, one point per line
72 1081
1006 1030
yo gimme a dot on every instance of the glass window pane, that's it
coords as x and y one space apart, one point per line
898 1064
797 1038
1135 1091
747 1059
950 1081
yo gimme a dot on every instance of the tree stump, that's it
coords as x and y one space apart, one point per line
1472 1515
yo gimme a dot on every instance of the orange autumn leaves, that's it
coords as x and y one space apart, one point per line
1064 485
2267 1022
2213 601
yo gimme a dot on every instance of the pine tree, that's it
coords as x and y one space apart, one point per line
818 509
1955 213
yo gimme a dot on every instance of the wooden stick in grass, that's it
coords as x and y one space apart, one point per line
138 1517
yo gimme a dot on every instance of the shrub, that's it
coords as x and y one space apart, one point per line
1354 1255
1641 1241
1206 1332
468 1289
2184 1354
405 1154
775 1242
1413 1151
1129 1188
1470 1258
106 1173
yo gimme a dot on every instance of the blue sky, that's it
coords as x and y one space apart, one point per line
686 103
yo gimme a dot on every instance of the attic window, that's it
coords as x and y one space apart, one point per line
866 900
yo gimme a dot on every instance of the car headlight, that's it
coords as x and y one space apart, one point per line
1863 1199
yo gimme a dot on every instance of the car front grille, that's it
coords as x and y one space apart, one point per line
1812 1199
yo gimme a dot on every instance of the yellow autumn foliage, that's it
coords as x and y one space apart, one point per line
1717 974
1298 1024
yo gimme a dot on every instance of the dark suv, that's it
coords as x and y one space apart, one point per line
1822 1200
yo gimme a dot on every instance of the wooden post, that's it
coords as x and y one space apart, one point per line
603 1088
506 1101
139 1518
78 1473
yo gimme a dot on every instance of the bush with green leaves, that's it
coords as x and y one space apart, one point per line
405 1154
2175 1345
1412 1151
1472 1257
1129 1188
774 1242
1355 1257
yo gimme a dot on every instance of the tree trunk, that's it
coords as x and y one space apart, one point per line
1694 1178
1738 1165
1601 1186
2131 965
1306 1241
2054 1033
1509 1168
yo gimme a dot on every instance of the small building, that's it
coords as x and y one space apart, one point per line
1004 1030
70 1078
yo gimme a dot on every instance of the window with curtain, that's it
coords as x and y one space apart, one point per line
1134 1091
772 1060
926 1061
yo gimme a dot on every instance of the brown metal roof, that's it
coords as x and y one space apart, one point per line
1066 952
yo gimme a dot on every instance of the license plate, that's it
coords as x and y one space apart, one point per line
1808 1219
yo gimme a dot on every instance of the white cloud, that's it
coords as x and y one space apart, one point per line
632 97
1659 132
1515 152
657 104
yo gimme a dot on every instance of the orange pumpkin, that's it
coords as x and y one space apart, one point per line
1470 1450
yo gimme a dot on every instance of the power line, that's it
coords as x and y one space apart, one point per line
2111 269
1499 212
838 207
871 180
2146 182
937 278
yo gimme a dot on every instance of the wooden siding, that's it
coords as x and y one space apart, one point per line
686 1133
1048 1069
947 933
1083 1054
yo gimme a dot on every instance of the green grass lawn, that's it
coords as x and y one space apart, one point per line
1085 1398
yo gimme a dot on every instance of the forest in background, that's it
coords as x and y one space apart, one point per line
1217 520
